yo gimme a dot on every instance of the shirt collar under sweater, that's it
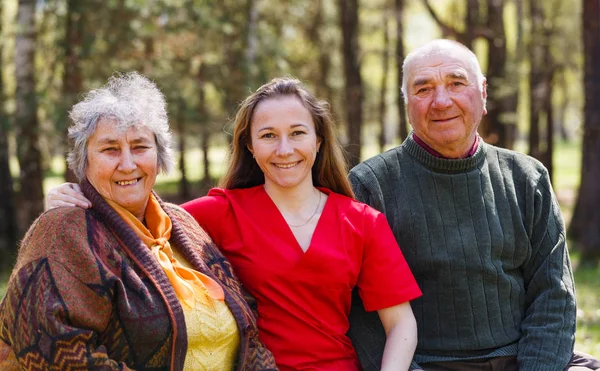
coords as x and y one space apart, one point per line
444 165
437 154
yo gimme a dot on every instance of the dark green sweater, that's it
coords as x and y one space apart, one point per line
485 240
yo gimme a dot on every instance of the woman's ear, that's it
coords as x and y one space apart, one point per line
250 149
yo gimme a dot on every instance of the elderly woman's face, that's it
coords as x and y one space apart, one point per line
122 166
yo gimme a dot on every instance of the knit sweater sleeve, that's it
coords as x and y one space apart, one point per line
49 317
366 187
548 328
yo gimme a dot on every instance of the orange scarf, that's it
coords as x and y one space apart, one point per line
189 284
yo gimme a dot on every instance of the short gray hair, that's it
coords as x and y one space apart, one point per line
441 46
129 100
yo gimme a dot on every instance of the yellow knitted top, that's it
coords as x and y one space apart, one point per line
213 338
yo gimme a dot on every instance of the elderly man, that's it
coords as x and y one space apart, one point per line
479 226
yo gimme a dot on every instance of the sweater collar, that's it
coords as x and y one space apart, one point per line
136 249
444 165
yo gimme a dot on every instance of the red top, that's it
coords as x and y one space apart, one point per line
304 297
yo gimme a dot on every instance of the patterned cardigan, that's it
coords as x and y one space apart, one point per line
86 293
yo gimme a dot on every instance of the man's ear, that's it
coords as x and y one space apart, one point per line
484 95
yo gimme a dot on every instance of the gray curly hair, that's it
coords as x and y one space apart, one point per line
129 100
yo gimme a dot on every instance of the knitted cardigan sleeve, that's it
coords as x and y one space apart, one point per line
550 313
51 318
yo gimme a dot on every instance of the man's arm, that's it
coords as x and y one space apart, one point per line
549 324
369 348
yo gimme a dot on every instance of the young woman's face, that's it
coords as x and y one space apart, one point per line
284 141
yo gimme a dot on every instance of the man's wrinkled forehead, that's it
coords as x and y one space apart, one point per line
423 69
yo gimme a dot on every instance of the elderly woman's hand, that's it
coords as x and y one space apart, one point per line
66 194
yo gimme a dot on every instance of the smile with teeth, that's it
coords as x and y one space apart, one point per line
287 166
127 182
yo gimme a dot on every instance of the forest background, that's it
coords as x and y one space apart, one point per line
541 59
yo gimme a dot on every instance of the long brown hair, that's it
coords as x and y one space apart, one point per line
329 169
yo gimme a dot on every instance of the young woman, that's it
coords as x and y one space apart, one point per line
286 219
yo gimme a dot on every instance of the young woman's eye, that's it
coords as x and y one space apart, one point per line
298 132
268 136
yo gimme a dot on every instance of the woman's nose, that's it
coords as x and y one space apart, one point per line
284 148
127 162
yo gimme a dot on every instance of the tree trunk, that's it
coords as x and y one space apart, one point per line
385 61
537 82
353 82
252 42
472 22
317 36
8 221
72 77
549 126
402 122
586 217
204 127
27 127
184 186
493 128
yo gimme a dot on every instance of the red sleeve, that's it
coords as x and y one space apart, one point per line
210 212
385 279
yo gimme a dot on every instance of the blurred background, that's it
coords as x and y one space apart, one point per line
541 59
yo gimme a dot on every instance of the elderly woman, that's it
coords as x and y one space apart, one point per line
134 282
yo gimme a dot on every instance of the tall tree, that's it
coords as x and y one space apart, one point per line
318 36
385 61
538 88
72 76
8 225
586 217
27 126
502 97
348 12
204 126
402 122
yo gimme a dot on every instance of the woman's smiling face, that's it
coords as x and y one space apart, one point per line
284 141
123 165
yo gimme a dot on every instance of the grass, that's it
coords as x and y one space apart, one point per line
587 286
567 159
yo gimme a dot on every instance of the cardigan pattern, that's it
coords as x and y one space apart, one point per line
485 240
86 293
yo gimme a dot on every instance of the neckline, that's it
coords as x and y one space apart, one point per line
285 226
444 165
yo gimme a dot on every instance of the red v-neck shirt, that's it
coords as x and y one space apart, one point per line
304 297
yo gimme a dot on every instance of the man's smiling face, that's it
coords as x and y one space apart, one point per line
444 103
